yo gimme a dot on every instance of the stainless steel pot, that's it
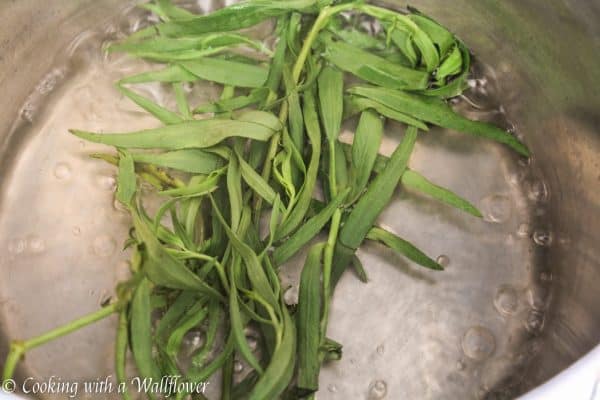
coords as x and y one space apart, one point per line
546 55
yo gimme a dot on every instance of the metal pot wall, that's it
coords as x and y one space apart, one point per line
548 55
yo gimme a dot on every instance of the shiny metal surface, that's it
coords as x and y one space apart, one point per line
519 301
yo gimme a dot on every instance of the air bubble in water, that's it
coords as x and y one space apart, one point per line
506 300
192 341
238 367
28 112
538 191
377 390
542 238
104 245
516 177
443 260
478 343
107 183
36 244
62 171
49 82
497 208
252 342
523 230
535 321
17 246
188 87
291 295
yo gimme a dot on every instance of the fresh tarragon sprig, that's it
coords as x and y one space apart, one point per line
266 147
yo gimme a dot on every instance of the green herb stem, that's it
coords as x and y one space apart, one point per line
320 23
327 267
18 348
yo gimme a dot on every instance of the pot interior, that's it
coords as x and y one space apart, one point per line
518 301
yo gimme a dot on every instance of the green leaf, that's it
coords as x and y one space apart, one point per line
172 12
357 104
141 326
195 161
365 148
295 119
192 318
341 167
440 36
371 204
197 188
126 180
379 193
359 269
162 114
255 181
255 272
331 350
227 72
374 69
170 74
214 317
415 181
457 84
182 101
331 101
187 135
232 18
452 65
237 327
439 113
280 371
403 247
403 41
235 103
162 268
200 373
174 313
262 118
354 36
313 131
121 345
308 320
308 230
234 190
